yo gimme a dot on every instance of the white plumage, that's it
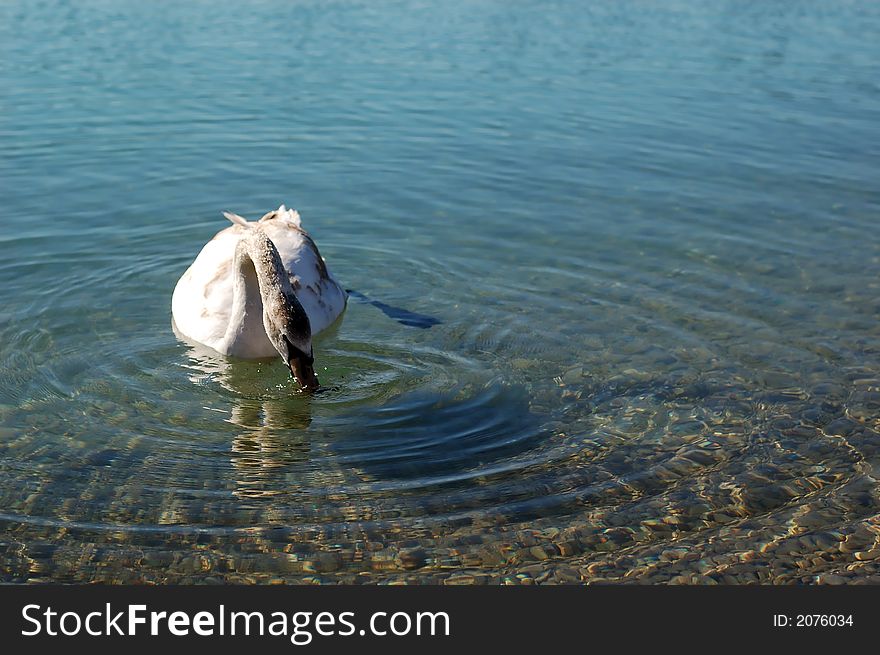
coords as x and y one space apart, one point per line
203 300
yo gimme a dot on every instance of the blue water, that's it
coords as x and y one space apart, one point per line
647 233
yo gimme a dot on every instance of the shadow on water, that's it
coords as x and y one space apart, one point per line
402 316
423 434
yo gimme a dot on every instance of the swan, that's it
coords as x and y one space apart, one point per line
257 289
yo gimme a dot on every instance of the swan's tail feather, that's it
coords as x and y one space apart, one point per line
290 215
285 214
236 219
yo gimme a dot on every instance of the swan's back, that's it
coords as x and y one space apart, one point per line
320 294
202 299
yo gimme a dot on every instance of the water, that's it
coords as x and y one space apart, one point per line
648 232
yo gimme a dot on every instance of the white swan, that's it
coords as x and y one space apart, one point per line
259 288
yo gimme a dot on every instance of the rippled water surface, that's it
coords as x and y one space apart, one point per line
648 233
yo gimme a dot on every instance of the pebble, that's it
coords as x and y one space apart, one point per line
573 376
413 558
539 553
460 579
567 548
841 427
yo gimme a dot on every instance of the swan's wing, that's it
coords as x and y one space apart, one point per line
318 292
202 299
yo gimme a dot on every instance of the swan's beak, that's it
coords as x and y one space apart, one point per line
304 373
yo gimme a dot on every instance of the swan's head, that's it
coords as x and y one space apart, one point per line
301 362
291 335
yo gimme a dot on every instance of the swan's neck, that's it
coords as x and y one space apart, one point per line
259 285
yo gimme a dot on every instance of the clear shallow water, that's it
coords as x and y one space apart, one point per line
649 232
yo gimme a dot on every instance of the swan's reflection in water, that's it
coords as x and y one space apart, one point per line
274 440
273 437
413 440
